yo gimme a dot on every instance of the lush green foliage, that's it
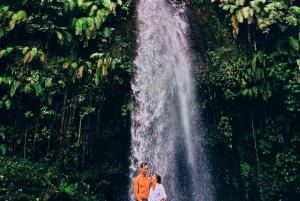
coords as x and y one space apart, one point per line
65 95
250 98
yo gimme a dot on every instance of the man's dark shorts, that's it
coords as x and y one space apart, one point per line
144 199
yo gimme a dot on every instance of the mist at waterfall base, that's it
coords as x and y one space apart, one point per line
166 127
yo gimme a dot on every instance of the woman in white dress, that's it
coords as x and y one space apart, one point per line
157 191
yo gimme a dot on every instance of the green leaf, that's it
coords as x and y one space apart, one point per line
298 63
38 89
96 55
89 64
7 104
25 50
34 51
78 27
2 52
14 88
59 35
79 2
68 36
9 49
92 11
1 104
3 149
294 43
27 88
97 22
1 32
21 15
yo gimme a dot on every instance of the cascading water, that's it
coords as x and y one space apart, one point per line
166 128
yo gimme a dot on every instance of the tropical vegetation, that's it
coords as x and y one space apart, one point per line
65 97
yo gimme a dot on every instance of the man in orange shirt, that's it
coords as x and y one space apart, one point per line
141 184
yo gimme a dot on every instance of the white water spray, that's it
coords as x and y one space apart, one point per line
166 128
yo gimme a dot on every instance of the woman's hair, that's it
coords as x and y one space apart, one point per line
158 178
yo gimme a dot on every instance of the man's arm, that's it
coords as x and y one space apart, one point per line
136 189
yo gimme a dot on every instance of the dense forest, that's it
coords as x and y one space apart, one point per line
65 97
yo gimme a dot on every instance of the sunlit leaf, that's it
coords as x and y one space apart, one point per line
21 15
298 63
80 72
34 51
78 27
79 2
48 81
66 64
9 49
59 35
2 52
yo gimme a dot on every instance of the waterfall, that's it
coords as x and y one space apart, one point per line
166 127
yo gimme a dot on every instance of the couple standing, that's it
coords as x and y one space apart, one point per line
142 183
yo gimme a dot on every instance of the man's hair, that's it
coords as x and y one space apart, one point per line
158 178
143 165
